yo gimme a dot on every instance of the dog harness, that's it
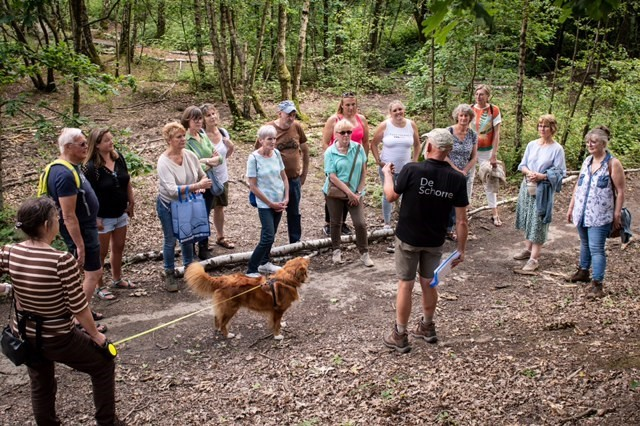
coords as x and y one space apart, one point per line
272 286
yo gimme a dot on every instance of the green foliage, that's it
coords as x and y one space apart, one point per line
7 226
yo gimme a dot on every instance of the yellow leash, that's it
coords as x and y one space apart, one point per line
151 330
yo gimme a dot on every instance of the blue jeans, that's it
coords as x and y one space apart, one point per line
294 222
269 219
169 245
387 207
592 241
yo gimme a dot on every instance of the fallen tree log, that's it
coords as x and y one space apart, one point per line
235 258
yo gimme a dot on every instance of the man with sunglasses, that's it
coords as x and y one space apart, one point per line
292 144
78 206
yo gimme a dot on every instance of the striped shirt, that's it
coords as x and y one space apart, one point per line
46 282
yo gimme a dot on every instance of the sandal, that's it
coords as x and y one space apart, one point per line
223 242
123 284
97 316
103 293
496 221
451 235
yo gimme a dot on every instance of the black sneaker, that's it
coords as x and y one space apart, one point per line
326 230
397 341
426 331
345 229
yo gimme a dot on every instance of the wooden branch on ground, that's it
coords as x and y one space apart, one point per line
161 99
17 182
235 258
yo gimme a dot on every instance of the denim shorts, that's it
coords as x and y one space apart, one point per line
410 259
110 224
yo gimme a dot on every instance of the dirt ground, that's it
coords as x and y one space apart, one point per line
513 349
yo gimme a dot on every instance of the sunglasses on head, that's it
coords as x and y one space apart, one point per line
348 95
345 132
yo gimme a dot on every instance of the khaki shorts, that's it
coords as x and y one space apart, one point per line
222 199
409 258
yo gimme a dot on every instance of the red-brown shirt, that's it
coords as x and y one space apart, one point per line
288 142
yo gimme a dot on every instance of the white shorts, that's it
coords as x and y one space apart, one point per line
110 224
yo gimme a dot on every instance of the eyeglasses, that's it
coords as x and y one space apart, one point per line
81 144
345 132
348 95
592 142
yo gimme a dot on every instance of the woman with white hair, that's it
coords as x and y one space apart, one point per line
269 184
345 164
596 208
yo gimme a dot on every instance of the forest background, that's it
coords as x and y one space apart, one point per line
576 59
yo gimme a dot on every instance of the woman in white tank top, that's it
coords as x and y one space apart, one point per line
398 135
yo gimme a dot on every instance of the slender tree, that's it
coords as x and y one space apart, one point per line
302 39
284 76
522 57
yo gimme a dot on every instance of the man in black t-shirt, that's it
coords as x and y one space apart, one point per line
78 209
429 190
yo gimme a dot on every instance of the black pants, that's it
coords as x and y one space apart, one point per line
78 351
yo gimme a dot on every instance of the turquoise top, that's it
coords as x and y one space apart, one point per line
340 164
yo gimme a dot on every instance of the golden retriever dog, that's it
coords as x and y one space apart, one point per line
272 296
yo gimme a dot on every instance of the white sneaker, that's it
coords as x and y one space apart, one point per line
531 265
337 256
366 260
253 275
386 226
268 268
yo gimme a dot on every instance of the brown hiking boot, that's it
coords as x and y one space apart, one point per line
170 281
397 341
426 331
581 275
595 291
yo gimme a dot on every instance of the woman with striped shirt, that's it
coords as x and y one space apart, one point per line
48 289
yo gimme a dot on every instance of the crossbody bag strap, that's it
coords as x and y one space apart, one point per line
353 166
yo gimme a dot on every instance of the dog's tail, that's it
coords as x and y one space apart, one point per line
200 282
203 284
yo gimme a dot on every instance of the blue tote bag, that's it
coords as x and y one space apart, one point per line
189 218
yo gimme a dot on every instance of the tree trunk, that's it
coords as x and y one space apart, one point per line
419 12
284 76
87 47
374 30
256 60
521 68
592 107
325 29
302 43
125 32
432 67
106 6
197 10
239 51
474 67
76 28
221 59
596 48
553 84
161 26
